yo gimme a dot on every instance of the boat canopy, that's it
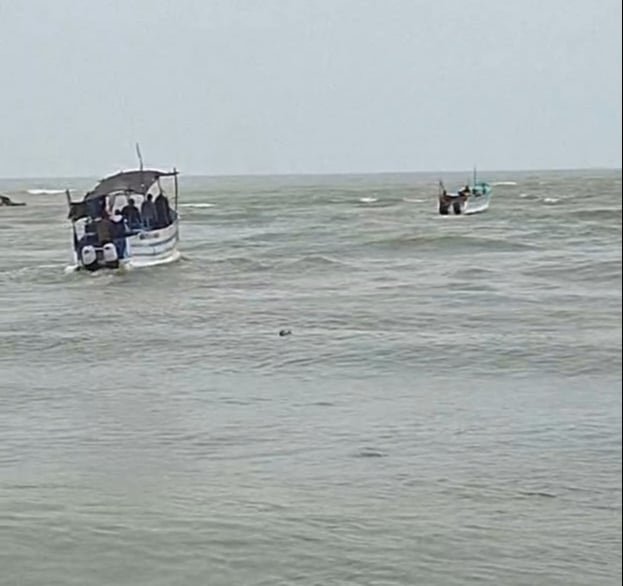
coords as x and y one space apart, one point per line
127 182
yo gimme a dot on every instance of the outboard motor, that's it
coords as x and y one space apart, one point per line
456 207
89 258
110 256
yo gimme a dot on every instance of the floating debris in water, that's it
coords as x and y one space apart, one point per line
370 453
537 493
285 332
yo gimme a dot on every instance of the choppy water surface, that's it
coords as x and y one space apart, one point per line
446 411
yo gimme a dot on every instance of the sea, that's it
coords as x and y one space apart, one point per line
442 408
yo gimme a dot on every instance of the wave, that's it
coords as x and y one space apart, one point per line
368 199
504 184
551 200
40 274
140 263
196 205
316 260
457 243
592 271
602 213
133 264
45 191
239 264
409 200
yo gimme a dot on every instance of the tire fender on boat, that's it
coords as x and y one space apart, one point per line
88 255
109 252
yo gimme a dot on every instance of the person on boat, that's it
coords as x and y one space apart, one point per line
163 216
95 207
104 228
119 233
90 231
148 212
131 215
464 193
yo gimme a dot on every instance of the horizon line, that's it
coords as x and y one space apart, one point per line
329 174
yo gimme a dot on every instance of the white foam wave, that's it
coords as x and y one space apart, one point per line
45 191
408 200
551 200
144 263
368 199
196 205
132 264
504 183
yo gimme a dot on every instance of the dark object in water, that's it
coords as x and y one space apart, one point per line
5 200
451 202
285 332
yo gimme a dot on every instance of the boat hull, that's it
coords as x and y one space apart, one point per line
477 205
143 249
153 245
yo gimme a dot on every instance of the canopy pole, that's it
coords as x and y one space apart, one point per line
175 183
140 157
73 226
140 162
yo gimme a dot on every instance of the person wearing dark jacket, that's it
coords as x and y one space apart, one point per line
162 211
131 215
119 233
148 212
104 228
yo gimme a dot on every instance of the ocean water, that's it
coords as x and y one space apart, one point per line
446 411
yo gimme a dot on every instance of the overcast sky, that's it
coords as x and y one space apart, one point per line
308 86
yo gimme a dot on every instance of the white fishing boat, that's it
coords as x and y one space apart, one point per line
473 198
111 231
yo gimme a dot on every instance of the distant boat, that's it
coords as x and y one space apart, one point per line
473 198
109 231
5 200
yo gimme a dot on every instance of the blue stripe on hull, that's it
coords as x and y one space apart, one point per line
144 243
151 247
147 253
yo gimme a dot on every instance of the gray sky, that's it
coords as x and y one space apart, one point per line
308 86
